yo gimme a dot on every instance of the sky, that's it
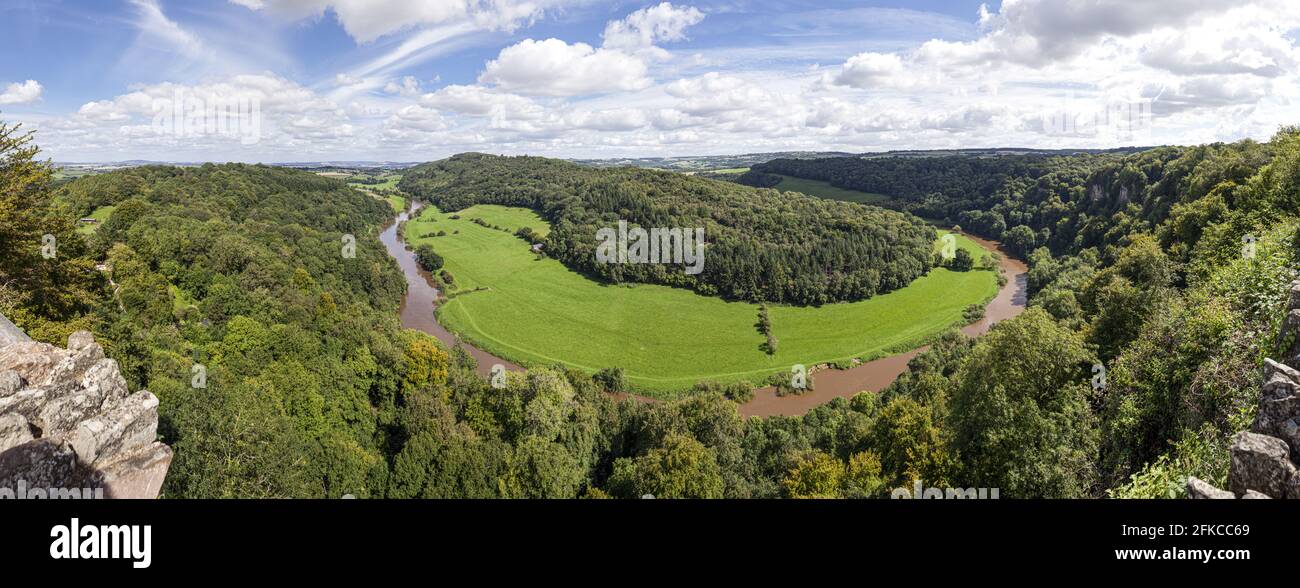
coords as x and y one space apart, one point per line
415 80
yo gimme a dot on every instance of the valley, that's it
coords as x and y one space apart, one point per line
512 303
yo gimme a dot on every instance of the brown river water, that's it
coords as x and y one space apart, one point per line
422 297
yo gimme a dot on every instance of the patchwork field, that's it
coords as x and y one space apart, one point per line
535 311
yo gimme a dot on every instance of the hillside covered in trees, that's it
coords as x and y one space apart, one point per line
1168 268
312 389
762 246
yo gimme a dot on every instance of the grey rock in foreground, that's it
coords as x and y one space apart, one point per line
1203 490
1265 459
67 421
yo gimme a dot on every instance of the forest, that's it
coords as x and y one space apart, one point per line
314 390
761 246
1138 261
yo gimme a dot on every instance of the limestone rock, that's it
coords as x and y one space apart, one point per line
73 365
14 431
62 416
1289 431
10 383
33 361
106 376
1280 400
27 403
139 476
80 340
130 426
68 421
44 463
1253 495
1260 463
1201 490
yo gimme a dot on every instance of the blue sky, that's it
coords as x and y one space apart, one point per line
419 79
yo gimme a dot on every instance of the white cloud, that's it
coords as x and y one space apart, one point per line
367 20
408 86
1215 70
646 27
21 93
869 70
152 22
556 68
480 101
419 118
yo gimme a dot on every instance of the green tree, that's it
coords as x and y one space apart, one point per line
815 475
680 468
1020 415
543 469
910 446
47 284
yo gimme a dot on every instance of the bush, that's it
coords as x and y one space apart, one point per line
963 262
429 260
612 380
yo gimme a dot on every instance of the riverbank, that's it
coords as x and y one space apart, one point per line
874 376
417 312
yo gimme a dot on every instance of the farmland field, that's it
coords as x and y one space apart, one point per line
535 311
827 191
100 214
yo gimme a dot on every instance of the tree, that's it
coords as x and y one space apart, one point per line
862 476
681 468
47 284
1019 240
1020 416
963 261
1125 295
910 446
612 379
543 469
429 260
815 475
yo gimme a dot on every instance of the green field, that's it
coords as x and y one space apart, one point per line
397 202
389 182
538 312
827 191
101 214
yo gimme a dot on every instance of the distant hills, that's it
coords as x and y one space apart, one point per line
689 163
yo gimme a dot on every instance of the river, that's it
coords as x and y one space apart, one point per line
422 297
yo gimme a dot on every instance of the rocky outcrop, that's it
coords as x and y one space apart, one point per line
67 420
1266 459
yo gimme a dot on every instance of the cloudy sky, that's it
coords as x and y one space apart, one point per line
413 80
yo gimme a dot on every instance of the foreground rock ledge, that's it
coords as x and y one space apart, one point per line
1266 459
68 422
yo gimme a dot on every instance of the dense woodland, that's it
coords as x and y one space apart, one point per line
1138 262
314 390
762 246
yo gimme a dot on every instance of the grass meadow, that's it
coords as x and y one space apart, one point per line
533 310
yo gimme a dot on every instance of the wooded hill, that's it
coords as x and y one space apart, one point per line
762 245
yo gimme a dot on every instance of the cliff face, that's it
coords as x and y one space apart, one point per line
1266 459
67 421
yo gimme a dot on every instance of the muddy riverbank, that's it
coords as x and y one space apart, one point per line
417 312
